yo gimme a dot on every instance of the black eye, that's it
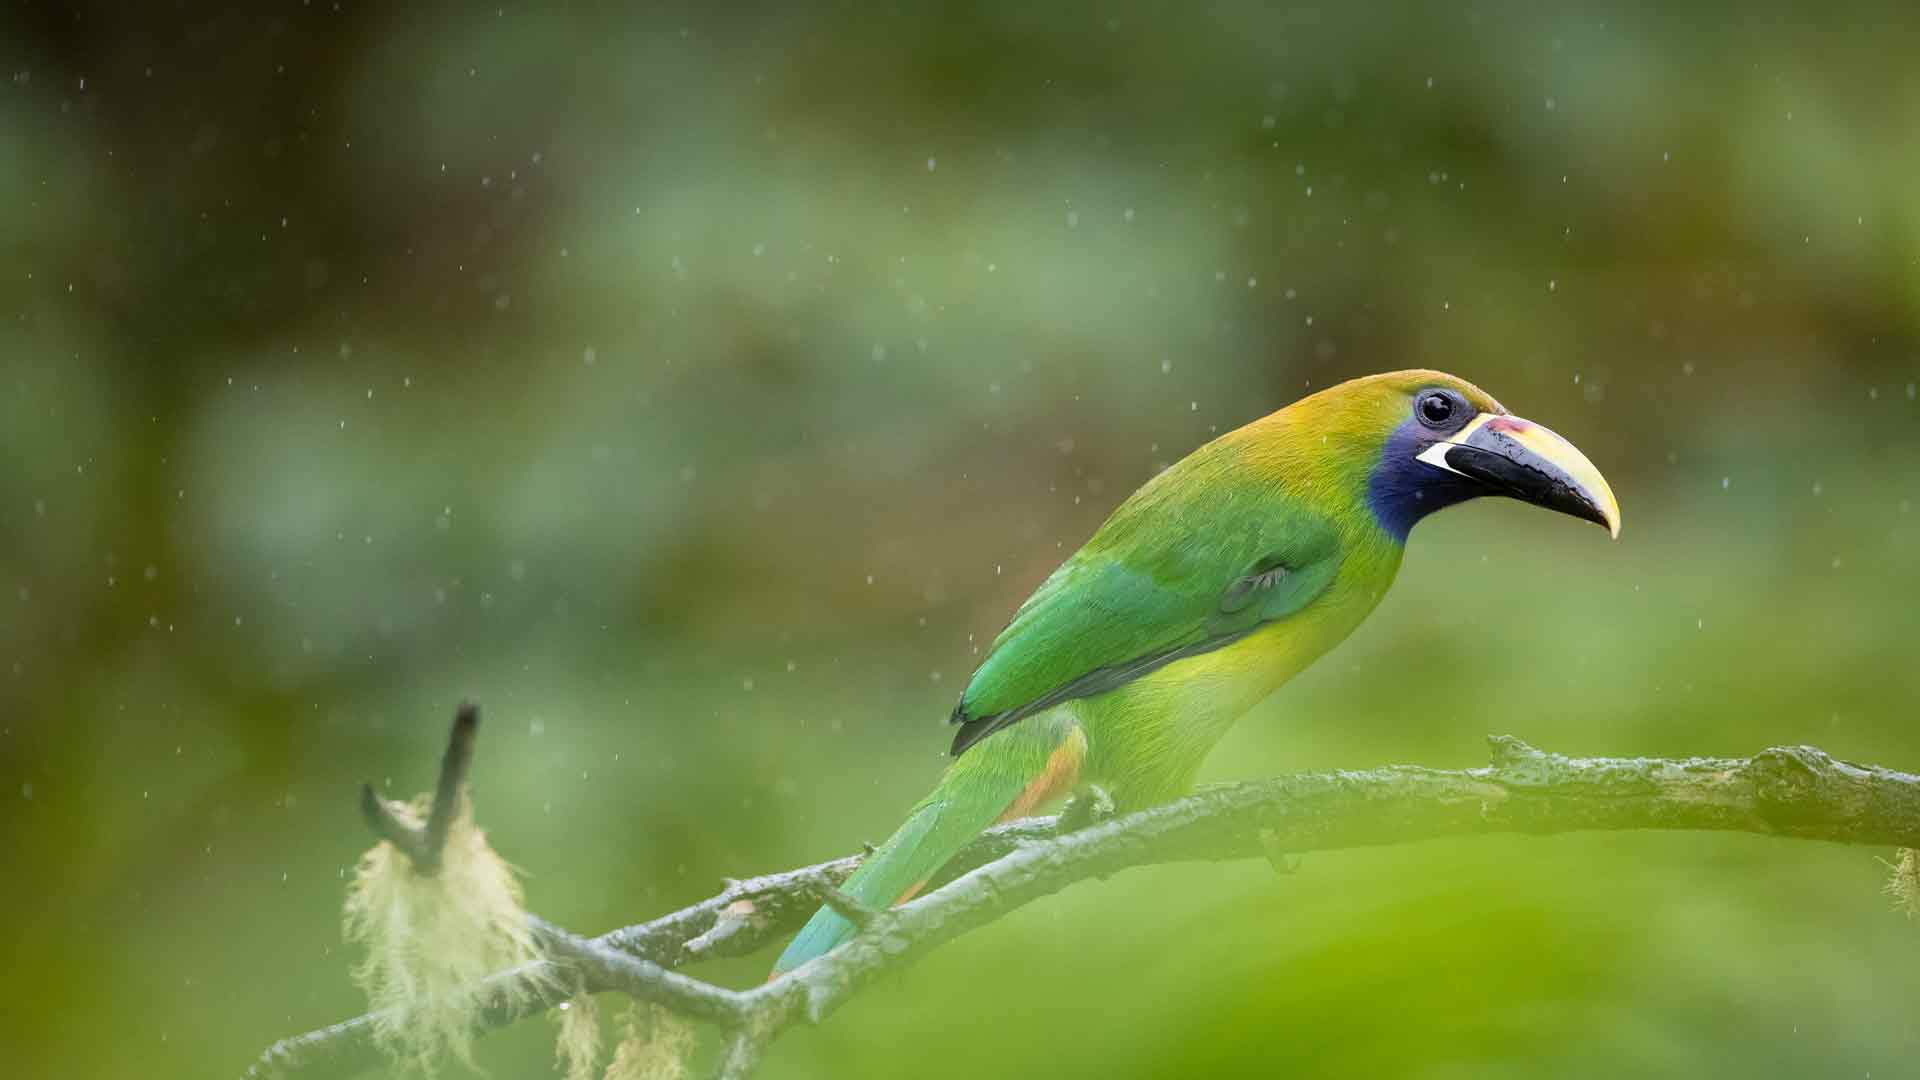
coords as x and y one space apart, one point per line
1435 409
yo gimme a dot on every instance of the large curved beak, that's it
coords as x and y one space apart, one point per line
1523 460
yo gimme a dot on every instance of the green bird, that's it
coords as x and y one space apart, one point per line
1214 583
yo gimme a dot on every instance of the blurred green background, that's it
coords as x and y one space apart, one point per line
696 388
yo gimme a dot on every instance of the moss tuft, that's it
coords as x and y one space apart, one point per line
430 941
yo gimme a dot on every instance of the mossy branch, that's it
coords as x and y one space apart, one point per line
1797 792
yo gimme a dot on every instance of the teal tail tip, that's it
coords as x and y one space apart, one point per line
825 931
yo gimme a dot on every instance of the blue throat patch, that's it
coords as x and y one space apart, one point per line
1401 490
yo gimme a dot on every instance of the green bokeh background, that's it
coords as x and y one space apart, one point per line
697 387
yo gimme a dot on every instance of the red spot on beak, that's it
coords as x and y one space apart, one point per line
1508 423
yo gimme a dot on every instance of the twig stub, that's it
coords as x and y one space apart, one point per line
425 846
454 766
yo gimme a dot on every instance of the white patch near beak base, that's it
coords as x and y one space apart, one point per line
1436 456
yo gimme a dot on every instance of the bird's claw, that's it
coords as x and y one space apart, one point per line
1086 808
1284 864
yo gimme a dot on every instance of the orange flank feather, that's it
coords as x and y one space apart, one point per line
1061 773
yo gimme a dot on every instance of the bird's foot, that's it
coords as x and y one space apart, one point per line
1089 807
1284 864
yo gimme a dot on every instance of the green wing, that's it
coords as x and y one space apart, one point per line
1151 587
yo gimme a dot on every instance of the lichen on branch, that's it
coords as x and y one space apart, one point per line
431 941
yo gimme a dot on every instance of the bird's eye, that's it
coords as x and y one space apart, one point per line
1435 409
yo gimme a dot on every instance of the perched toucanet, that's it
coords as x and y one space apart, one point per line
1216 582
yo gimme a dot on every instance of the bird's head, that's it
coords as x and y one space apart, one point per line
1426 440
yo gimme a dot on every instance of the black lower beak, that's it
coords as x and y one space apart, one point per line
1522 460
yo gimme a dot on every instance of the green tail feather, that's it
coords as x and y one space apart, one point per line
975 791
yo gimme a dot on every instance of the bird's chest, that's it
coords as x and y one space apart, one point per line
1151 735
